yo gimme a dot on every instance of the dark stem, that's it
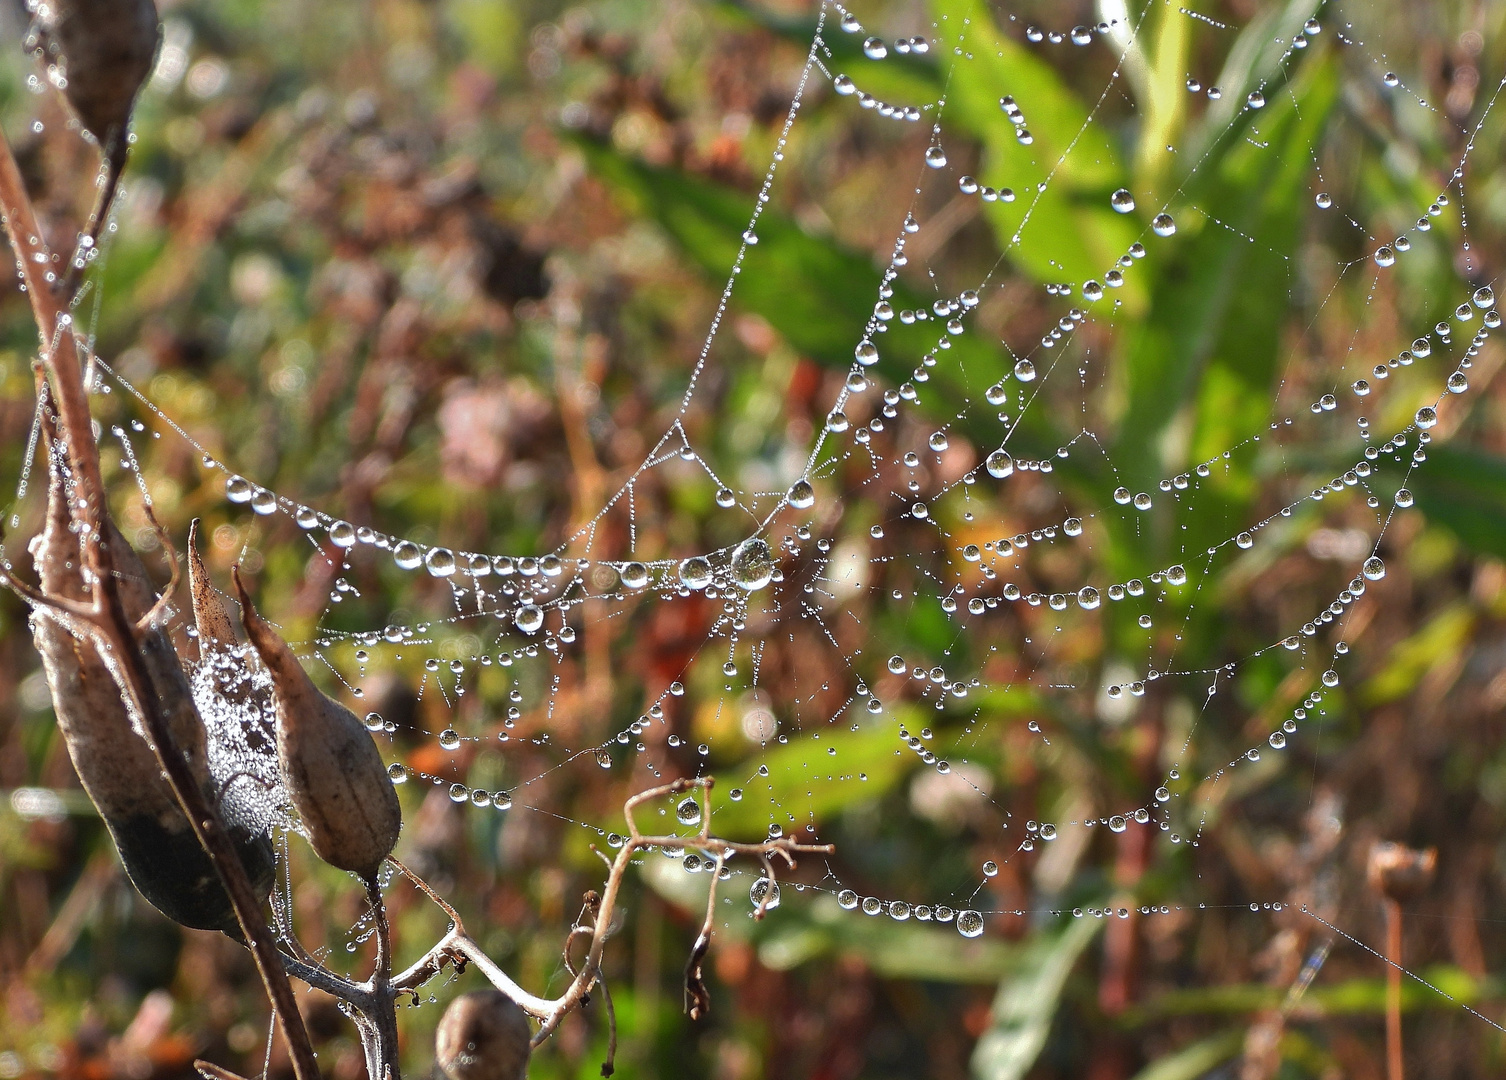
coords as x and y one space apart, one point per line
383 1014
1394 1069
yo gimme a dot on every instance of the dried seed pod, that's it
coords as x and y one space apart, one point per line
115 764
484 1035
103 52
1398 872
331 768
210 616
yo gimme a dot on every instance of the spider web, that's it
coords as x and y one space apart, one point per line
971 479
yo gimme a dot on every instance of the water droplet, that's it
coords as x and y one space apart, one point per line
1256 100
1143 622
1277 740
1024 370
634 575
449 739
1458 383
1081 35
695 572
802 495
752 564
689 811
1403 498
1484 297
938 441
306 517
990 869
406 554
1087 597
764 892
1330 678
1117 823
999 464
1122 201
1374 568
529 618
866 353
1092 290
1163 225
875 49
604 759
1324 200
440 562
847 899
969 924
1384 256
936 157
1244 540
897 665
1426 417
1390 79
263 502
239 490
724 497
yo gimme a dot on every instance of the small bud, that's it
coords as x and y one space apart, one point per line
484 1035
210 616
332 770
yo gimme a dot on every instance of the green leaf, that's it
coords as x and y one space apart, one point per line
1193 1061
1068 232
1464 490
1026 1004
813 785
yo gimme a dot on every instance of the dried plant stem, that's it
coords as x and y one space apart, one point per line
109 620
458 946
1394 1069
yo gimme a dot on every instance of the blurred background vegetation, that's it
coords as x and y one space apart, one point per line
443 268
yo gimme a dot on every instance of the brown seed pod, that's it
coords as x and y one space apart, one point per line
210 616
116 766
103 50
484 1035
331 768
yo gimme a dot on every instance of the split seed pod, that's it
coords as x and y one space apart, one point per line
484 1035
114 762
210 616
330 766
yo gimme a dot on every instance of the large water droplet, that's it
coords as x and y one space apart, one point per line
1458 383
764 892
1122 201
875 49
529 618
752 564
936 157
802 495
1384 256
1426 417
239 490
689 811
1403 498
634 575
342 534
440 562
969 923
695 572
1163 225
999 464
1374 568
406 554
